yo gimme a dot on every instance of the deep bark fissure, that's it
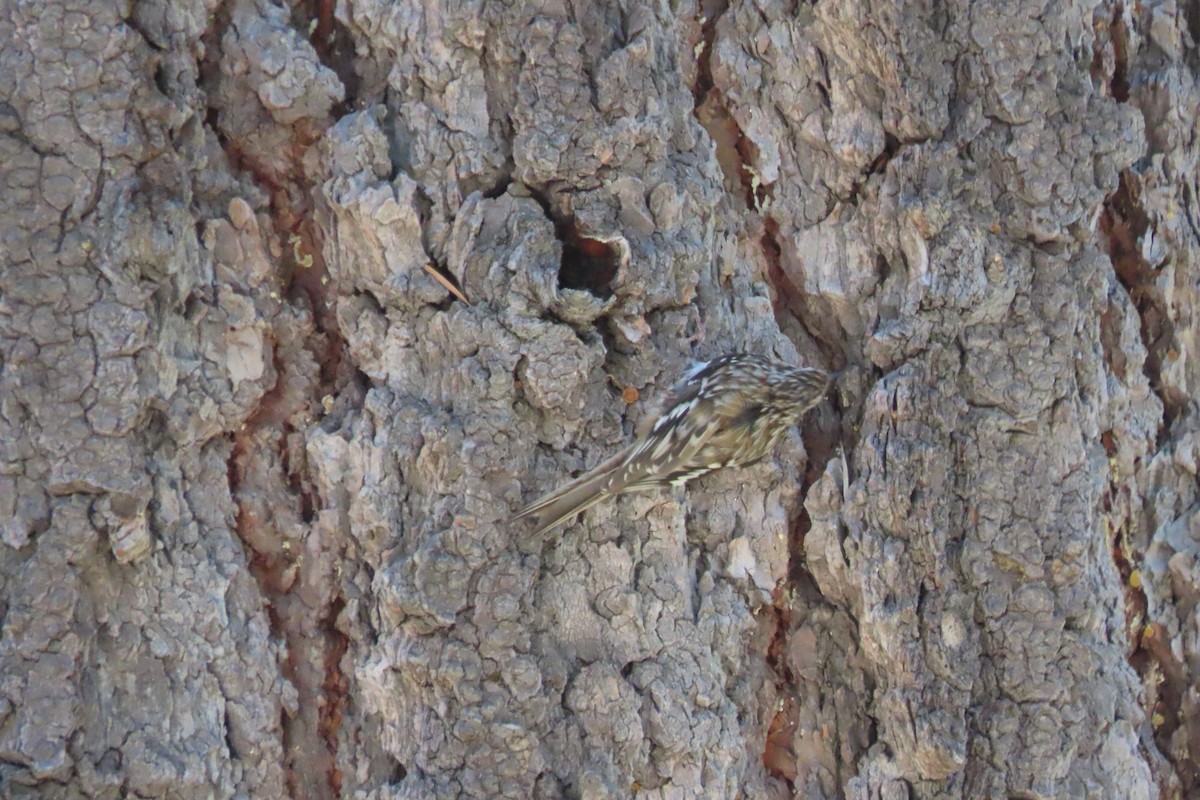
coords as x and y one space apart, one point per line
313 663
1123 226
736 154
316 21
877 167
1123 223
1119 82
1120 520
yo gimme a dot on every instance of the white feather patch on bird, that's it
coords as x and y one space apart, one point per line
665 446
695 369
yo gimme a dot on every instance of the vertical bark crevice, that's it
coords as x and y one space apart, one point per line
735 152
1125 226
270 481
1143 227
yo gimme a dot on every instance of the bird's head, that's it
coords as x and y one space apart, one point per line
801 388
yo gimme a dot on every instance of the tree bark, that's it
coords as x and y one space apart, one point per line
300 303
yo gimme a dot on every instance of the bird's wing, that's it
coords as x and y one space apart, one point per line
628 470
672 451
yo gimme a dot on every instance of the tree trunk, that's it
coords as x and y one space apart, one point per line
300 304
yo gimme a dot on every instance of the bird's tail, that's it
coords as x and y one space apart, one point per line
605 480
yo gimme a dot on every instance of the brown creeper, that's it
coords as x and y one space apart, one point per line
728 412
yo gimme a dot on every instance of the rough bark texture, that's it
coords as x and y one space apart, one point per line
257 459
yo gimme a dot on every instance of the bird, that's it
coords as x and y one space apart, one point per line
727 412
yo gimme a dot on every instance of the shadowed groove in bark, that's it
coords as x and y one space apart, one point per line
274 424
337 378
736 155
315 19
1119 521
735 152
313 663
779 756
788 300
1191 11
334 689
1123 221
1119 83
1123 226
267 572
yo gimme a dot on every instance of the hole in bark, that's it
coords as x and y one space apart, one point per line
160 80
110 763
233 751
882 268
891 146
587 264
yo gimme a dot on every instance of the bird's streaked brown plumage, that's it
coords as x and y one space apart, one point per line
728 412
